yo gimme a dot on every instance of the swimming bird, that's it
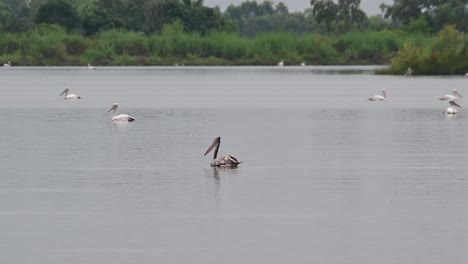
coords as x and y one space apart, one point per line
227 160
379 97
303 64
451 110
454 96
90 67
7 64
409 72
281 63
69 96
120 118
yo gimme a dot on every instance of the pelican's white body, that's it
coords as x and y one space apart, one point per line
90 67
451 111
122 118
7 64
281 63
72 97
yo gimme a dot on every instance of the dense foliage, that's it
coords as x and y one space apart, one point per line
410 33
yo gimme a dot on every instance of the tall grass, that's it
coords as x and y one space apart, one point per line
444 53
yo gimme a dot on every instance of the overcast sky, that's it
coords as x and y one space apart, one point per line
371 7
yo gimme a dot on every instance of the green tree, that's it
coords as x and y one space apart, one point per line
58 12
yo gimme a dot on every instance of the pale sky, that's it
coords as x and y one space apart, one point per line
371 7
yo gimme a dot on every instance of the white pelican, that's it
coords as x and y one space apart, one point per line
303 64
90 67
227 160
451 110
7 64
454 96
281 63
409 72
119 118
69 96
379 97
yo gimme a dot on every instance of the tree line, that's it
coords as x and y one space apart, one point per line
248 19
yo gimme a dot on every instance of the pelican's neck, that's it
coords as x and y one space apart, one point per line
66 93
113 113
216 150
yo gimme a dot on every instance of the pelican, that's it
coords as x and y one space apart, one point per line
281 63
379 97
303 64
227 160
119 118
454 96
90 67
69 96
7 64
451 110
409 72
466 74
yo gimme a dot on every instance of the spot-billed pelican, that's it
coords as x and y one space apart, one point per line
281 63
379 97
451 110
454 96
119 118
7 64
69 96
91 67
409 72
227 160
303 64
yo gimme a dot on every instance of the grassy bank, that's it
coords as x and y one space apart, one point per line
445 53
51 45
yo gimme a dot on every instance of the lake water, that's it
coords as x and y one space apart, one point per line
327 176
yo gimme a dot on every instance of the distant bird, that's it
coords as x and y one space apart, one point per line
466 74
90 67
281 63
227 160
379 97
409 72
303 64
120 118
451 110
7 64
454 96
69 96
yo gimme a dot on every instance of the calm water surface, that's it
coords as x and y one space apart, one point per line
327 177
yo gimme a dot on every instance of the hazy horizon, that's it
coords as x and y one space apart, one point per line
371 7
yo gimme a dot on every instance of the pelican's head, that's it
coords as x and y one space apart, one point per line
114 107
453 103
384 93
215 143
65 92
456 93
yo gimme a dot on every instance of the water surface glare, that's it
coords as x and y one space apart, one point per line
327 176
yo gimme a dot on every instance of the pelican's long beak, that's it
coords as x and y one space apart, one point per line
455 104
112 108
215 142
64 92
